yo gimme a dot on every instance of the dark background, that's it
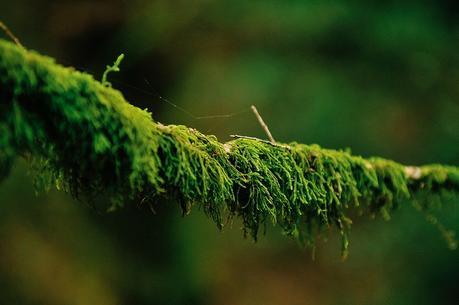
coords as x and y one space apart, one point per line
378 77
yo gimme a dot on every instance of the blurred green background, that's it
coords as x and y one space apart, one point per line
379 77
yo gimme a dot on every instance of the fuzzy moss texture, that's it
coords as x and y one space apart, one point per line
86 139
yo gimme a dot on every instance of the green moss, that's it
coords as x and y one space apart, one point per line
114 68
84 138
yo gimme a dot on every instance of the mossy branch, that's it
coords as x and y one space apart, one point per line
89 141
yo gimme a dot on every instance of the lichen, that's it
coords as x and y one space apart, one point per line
84 138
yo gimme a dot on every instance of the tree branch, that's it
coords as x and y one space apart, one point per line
91 143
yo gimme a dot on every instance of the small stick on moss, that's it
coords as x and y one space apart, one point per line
235 136
413 172
10 34
251 138
263 125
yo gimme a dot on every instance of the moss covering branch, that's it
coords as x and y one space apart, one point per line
89 141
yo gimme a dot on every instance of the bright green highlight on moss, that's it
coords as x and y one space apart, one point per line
84 138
